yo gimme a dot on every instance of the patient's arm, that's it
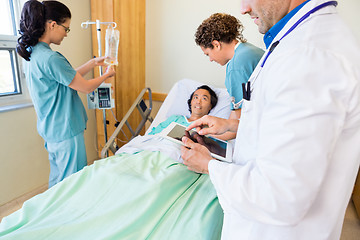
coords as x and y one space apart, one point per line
235 114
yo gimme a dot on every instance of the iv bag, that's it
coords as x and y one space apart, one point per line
112 38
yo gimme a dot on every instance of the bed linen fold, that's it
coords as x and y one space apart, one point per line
145 195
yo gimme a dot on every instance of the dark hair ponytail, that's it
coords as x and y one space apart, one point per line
32 23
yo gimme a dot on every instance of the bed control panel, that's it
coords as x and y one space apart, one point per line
101 97
143 106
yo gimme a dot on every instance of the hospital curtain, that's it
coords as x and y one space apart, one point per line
129 16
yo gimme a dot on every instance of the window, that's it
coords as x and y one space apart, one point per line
13 91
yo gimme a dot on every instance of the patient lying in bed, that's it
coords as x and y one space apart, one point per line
140 193
200 103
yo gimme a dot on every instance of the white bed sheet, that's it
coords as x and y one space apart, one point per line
153 143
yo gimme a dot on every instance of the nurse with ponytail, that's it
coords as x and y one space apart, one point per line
54 84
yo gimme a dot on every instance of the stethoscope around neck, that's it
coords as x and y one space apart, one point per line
317 8
247 88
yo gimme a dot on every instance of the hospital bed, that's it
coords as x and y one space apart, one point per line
178 94
144 111
139 193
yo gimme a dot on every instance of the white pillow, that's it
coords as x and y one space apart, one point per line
176 101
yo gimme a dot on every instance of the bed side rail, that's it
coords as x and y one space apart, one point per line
144 111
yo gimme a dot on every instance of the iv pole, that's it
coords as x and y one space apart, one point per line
85 25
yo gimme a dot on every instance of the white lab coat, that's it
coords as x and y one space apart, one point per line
297 148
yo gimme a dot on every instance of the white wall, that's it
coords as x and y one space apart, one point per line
24 163
349 11
171 52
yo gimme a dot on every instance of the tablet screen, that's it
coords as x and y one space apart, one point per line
214 145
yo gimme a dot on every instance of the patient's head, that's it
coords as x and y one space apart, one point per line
201 101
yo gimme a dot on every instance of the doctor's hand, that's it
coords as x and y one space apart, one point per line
196 157
211 145
214 125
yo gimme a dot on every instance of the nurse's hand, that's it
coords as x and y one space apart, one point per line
99 61
110 71
89 65
214 125
196 157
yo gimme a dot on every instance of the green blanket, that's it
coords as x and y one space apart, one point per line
129 196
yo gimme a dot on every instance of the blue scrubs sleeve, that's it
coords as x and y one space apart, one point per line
240 68
234 84
60 69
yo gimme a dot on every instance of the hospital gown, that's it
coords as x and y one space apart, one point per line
174 118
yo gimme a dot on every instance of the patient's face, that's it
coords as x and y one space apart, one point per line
200 103
218 55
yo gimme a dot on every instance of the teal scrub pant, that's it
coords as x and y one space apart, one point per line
66 157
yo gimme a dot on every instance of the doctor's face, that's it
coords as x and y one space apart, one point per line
266 13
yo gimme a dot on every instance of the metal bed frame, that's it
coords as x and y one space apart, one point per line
144 111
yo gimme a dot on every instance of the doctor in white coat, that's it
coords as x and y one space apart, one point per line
297 146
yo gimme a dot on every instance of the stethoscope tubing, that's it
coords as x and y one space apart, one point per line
250 84
317 8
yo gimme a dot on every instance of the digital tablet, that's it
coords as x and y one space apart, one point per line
219 149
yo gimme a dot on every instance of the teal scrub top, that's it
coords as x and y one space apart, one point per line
240 68
60 111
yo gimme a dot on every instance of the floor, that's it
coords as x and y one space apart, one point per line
351 227
16 204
